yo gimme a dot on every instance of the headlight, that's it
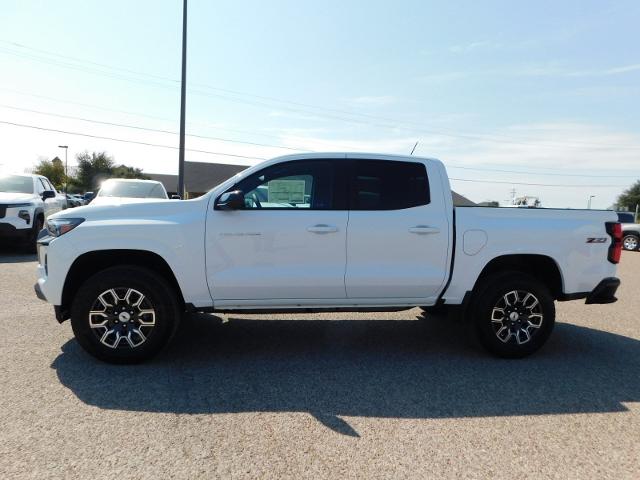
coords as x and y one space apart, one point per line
60 226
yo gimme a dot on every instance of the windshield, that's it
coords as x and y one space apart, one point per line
132 190
16 184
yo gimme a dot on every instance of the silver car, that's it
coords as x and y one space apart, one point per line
630 231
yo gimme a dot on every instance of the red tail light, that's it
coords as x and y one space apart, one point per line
615 250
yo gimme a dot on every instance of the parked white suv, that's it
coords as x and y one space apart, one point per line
322 232
25 202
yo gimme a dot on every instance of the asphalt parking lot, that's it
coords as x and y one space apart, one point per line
391 395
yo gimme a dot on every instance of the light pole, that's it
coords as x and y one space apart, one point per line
183 94
66 177
589 202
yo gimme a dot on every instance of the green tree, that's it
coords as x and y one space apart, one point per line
630 197
92 169
53 170
123 171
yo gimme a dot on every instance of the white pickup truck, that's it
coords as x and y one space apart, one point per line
322 232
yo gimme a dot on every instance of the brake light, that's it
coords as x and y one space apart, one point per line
614 230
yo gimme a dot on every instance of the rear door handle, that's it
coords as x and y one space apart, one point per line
424 229
322 228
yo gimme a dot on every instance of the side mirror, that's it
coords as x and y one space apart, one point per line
230 201
175 197
48 194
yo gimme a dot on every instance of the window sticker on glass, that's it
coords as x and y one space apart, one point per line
286 191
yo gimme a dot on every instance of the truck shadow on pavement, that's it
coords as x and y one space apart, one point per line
13 254
424 368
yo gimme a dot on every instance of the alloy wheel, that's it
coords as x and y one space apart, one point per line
516 317
122 318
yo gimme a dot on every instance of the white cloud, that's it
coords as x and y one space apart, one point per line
624 69
550 69
373 101
293 115
566 148
477 45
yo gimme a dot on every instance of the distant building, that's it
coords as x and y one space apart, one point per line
200 177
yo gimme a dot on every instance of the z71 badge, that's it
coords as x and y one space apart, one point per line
597 240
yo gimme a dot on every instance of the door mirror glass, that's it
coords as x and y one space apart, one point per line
230 201
48 194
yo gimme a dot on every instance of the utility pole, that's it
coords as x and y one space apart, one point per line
66 176
183 94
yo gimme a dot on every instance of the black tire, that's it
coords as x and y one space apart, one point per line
631 241
159 297
487 305
31 245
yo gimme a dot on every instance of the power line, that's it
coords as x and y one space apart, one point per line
274 146
541 174
278 146
260 158
114 139
135 127
113 124
536 184
143 115
400 125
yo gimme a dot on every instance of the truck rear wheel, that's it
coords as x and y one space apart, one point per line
124 314
513 314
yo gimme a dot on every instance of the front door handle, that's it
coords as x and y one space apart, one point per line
424 229
322 228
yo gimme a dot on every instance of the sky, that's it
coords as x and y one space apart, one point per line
538 97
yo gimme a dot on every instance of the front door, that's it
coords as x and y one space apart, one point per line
50 205
288 243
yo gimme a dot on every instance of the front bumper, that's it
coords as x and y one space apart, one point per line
39 293
10 232
604 292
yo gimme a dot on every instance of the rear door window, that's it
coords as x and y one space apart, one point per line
388 185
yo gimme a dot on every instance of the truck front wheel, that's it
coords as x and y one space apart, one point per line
513 314
124 314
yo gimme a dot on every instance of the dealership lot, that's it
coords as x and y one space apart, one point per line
386 395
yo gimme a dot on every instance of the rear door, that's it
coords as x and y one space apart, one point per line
398 232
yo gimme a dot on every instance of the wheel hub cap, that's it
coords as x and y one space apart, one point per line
516 317
122 318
